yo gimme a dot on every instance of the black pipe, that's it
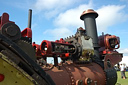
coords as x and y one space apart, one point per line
90 25
29 18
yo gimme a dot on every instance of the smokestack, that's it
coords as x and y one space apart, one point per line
90 25
29 18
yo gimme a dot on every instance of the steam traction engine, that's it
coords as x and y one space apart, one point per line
86 58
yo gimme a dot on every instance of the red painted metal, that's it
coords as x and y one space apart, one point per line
4 19
67 54
104 43
27 32
1 77
46 48
37 49
72 73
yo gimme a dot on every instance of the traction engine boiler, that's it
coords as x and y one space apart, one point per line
86 59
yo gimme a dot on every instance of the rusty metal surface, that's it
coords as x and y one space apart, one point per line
75 74
81 61
60 77
104 42
111 60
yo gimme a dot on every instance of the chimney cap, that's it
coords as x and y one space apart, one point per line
89 11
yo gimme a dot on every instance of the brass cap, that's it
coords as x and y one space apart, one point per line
89 11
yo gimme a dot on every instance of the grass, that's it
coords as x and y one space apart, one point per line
121 81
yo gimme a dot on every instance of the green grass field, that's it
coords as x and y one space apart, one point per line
121 81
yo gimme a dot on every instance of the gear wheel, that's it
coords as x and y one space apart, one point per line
27 48
11 31
78 49
77 54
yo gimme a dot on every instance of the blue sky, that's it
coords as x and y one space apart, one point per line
55 19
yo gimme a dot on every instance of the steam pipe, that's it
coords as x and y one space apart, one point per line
90 25
29 18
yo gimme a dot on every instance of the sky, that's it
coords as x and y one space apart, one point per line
55 19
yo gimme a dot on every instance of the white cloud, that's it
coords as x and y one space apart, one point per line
67 21
125 55
124 60
71 18
51 8
51 4
124 51
110 15
58 33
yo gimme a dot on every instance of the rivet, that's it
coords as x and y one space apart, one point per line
72 80
73 83
71 76
18 75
